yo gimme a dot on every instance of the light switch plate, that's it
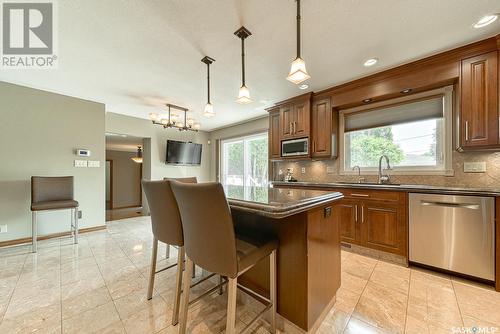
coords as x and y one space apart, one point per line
280 172
475 167
80 163
94 163
3 228
303 170
330 170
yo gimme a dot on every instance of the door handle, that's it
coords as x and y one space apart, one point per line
466 130
355 213
451 205
360 195
362 213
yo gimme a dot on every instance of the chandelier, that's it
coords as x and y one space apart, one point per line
175 121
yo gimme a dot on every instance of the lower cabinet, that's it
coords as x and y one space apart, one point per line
374 221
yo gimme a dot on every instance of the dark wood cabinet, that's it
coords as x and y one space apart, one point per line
347 211
321 133
295 117
274 134
479 122
287 118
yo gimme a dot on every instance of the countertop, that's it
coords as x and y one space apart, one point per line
401 187
277 202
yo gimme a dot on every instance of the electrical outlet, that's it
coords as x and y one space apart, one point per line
3 228
80 214
475 167
303 170
94 164
330 170
280 172
80 163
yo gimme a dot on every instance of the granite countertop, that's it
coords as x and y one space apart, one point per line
417 188
277 202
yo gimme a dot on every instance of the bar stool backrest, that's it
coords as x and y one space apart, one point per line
51 188
209 239
165 218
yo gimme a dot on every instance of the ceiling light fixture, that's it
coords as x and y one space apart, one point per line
370 62
298 72
486 20
244 93
209 108
304 86
138 157
172 121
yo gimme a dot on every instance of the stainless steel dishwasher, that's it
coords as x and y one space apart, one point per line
455 233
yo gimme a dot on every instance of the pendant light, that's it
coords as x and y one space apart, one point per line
209 108
298 71
244 93
138 157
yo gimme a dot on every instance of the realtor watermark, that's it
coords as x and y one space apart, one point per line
29 39
474 330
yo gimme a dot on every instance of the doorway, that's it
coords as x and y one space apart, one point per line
123 176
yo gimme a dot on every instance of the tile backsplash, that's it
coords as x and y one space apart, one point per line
316 171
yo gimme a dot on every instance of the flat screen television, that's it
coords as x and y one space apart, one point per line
183 153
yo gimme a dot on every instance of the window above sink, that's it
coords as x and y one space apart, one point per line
415 132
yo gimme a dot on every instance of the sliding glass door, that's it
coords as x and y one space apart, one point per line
244 164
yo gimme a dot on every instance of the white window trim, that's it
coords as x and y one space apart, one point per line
233 139
447 93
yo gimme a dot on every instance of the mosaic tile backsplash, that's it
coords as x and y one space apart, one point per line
316 171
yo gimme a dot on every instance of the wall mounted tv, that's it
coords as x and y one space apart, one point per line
183 153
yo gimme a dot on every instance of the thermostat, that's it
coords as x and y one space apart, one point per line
82 153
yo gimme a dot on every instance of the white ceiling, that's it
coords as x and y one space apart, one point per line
134 56
119 142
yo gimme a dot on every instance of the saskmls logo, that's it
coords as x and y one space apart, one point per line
28 35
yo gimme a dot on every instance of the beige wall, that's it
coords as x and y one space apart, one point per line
126 179
39 132
158 136
254 126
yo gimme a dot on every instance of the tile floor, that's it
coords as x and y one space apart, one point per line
99 286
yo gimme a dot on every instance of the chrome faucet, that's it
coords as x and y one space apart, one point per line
383 178
360 179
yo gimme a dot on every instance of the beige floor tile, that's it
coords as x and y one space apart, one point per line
478 303
382 307
335 322
356 326
83 285
391 276
346 300
126 284
45 319
99 319
88 300
359 266
481 325
352 282
27 299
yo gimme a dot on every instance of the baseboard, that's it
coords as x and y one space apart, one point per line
125 207
50 236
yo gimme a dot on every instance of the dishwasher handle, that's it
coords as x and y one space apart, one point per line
451 204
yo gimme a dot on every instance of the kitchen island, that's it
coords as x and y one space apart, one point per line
303 221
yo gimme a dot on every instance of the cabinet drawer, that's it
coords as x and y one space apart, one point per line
375 195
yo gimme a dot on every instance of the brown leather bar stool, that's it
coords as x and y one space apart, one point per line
49 194
210 242
167 228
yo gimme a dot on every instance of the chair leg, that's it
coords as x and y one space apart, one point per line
231 305
185 295
167 251
221 288
152 270
272 289
76 225
178 285
193 275
33 231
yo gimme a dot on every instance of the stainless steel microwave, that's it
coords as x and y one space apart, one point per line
295 147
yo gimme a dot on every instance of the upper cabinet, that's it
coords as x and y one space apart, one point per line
295 117
324 126
479 113
274 134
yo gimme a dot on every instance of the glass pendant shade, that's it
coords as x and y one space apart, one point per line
209 110
138 157
298 72
153 116
164 121
196 126
244 95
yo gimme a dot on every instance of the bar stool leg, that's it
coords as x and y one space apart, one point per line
33 231
76 225
193 275
185 295
178 285
167 251
152 270
221 289
272 289
72 223
231 305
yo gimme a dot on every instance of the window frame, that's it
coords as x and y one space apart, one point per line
235 139
448 101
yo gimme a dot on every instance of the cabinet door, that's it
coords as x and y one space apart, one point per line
287 119
302 114
384 226
274 135
321 129
479 101
348 215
